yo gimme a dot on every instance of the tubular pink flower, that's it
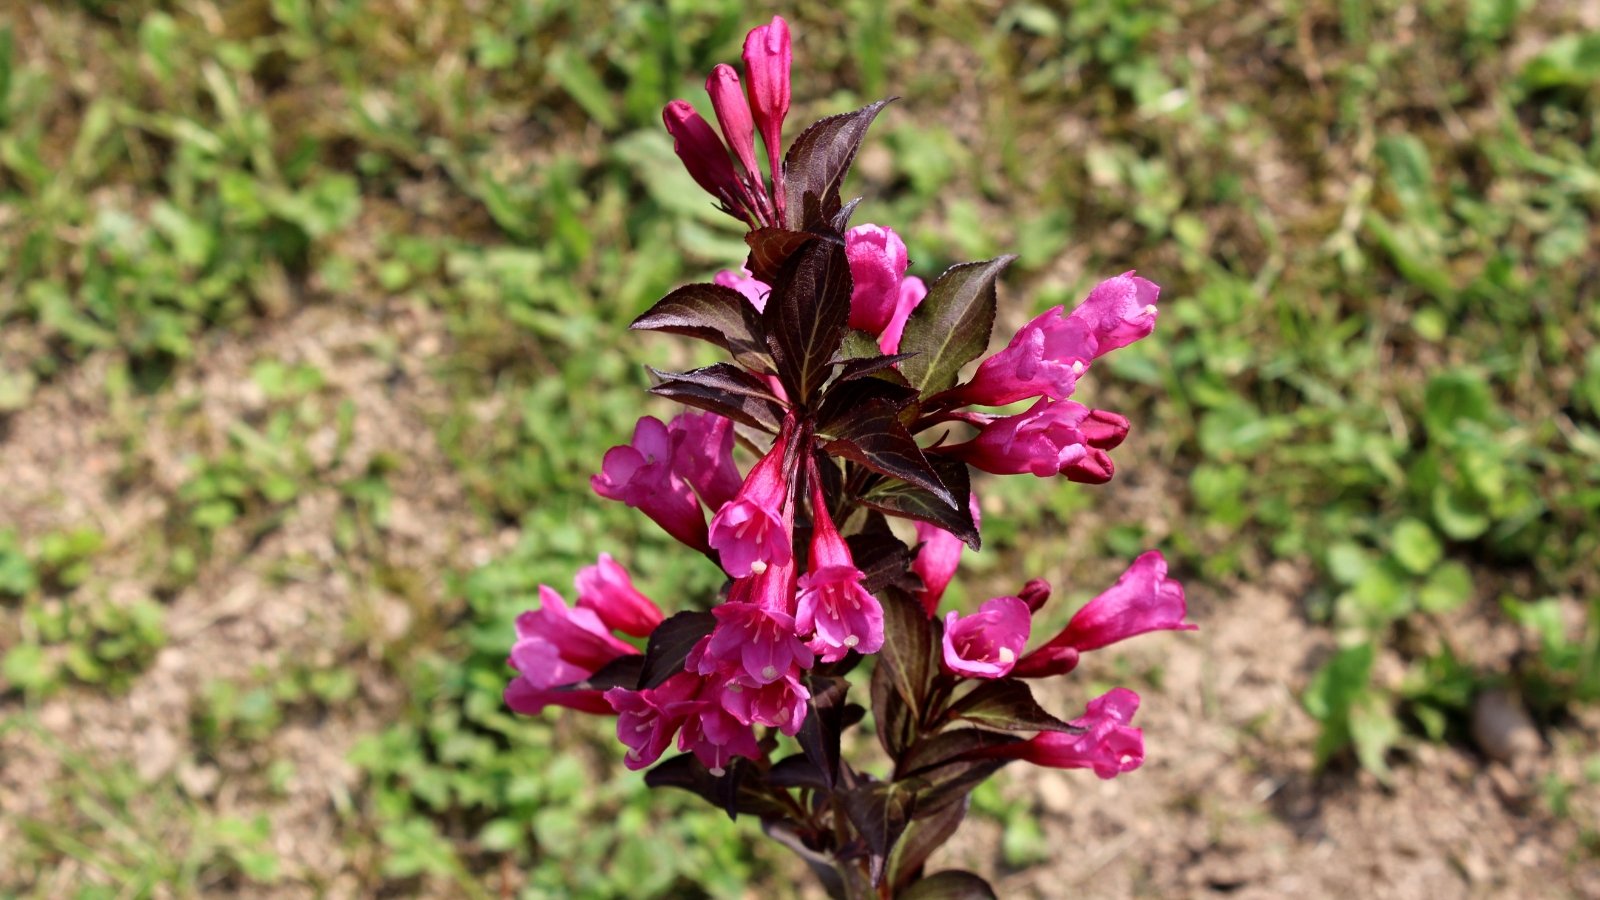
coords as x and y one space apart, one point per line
938 558
754 530
606 588
1119 311
780 704
754 638
715 737
733 114
754 290
1108 745
766 66
987 643
647 720
1050 353
912 290
1142 600
877 266
704 155
834 607
702 454
1045 358
556 646
640 475
1044 440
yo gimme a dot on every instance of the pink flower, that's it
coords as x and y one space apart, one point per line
877 265
715 737
1044 440
754 290
606 588
766 65
937 559
1142 600
647 720
1119 311
987 643
641 476
912 290
703 154
556 646
754 530
702 454
780 704
834 607
1050 353
753 640
1108 744
733 114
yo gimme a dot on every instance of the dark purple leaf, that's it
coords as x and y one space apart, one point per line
861 367
898 498
880 813
844 405
950 747
1006 704
951 884
910 651
841 219
724 389
951 326
713 313
874 437
623 672
770 248
927 832
821 863
954 782
797 771
736 791
819 733
884 559
806 315
814 168
670 644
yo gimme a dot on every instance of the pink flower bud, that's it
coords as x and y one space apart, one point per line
556 646
753 290
702 152
1044 440
987 643
937 560
912 290
702 454
733 114
877 265
834 607
1093 467
1142 600
766 65
754 530
1035 594
606 588
1103 429
1108 744
640 475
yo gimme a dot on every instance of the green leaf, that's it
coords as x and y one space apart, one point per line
1448 587
1374 730
1570 61
1333 692
951 326
1455 397
1006 704
1415 546
1459 513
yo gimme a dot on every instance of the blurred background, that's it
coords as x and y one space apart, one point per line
312 330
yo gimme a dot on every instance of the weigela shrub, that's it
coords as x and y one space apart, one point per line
844 383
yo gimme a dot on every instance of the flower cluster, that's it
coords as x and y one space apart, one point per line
845 382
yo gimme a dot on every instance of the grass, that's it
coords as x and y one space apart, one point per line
1378 355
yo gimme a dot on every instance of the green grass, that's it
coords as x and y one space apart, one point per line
1378 354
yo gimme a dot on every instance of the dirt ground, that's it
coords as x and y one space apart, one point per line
1223 805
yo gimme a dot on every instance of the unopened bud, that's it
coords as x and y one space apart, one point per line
1035 593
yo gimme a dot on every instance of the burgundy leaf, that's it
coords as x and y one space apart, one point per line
899 498
713 313
951 884
724 389
1007 704
770 248
951 326
814 169
670 644
806 316
873 436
